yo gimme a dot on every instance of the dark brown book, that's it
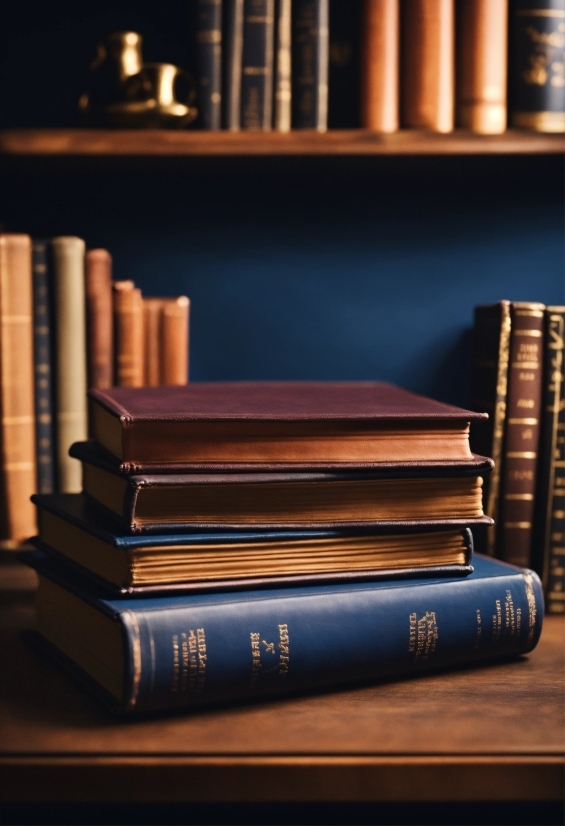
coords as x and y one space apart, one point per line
99 318
128 334
380 33
521 438
482 57
278 424
428 64
392 497
549 526
491 352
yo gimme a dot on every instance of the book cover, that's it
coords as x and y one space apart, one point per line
232 16
176 652
19 473
128 334
310 60
99 318
70 347
549 526
428 64
257 65
482 58
209 55
43 367
536 73
380 67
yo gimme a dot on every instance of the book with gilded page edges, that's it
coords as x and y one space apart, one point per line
276 425
165 653
393 496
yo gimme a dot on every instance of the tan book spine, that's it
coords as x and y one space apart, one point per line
482 58
70 335
380 32
152 312
428 64
128 334
283 78
17 387
100 324
174 341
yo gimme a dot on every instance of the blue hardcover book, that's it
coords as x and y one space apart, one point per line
43 371
181 651
73 528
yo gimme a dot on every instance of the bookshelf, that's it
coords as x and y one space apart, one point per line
159 142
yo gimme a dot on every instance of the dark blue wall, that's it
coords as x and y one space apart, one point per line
321 268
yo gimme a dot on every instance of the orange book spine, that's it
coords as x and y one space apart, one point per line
128 334
100 327
152 312
428 64
482 57
380 32
174 340
17 387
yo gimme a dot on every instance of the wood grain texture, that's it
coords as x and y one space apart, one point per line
161 142
491 733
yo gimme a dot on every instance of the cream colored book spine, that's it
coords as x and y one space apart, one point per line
17 387
71 364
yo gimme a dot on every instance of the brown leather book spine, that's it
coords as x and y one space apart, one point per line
128 333
17 387
521 441
152 316
482 57
380 33
428 64
174 340
100 326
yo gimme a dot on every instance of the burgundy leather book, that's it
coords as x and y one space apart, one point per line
277 425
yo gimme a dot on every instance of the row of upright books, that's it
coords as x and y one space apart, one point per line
240 539
519 380
381 64
66 326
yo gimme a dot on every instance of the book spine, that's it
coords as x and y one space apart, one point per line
152 311
70 337
428 66
482 56
379 65
174 340
232 56
42 314
536 81
17 387
310 58
521 438
283 70
244 648
257 65
99 320
209 56
549 535
128 334
491 353
344 64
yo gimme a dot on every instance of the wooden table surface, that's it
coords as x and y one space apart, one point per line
490 733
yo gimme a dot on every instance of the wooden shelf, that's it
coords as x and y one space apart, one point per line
155 142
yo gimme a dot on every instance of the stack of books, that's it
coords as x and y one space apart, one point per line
234 540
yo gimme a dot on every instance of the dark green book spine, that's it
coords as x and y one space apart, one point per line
257 65
43 370
310 64
209 48
536 69
549 540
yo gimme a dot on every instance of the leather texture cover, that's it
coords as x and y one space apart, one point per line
264 642
43 368
380 35
257 64
209 53
71 365
99 318
17 387
310 60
